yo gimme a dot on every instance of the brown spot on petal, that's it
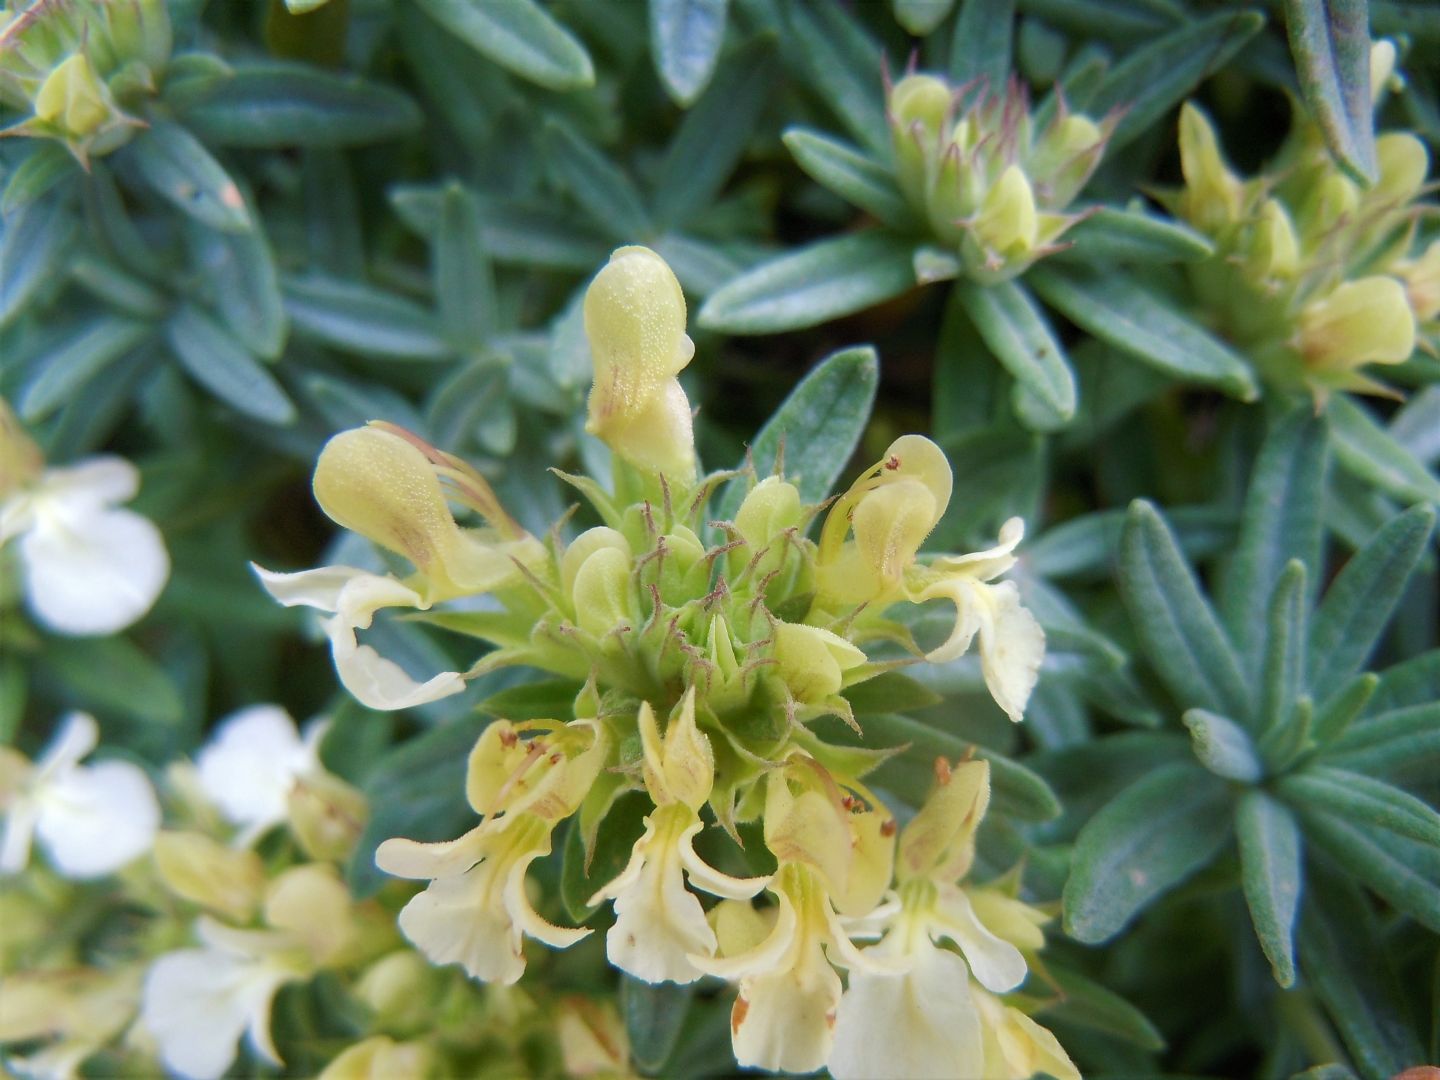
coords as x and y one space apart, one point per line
888 828
508 738
737 1014
893 463
830 1019
942 771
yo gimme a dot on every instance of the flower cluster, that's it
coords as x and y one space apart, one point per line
88 566
77 66
1313 274
989 177
237 899
703 655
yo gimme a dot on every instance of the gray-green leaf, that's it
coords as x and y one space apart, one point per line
685 38
1330 40
520 36
1271 876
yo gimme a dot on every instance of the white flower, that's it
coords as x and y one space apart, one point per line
88 567
198 1002
91 819
475 912
1012 644
251 763
352 597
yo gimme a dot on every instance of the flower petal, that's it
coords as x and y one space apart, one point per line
94 573
317 588
996 964
94 820
250 764
900 1027
92 483
448 858
706 878
79 734
1012 646
377 682
19 832
784 1018
462 920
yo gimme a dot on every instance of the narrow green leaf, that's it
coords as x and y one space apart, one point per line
983 43
1393 866
833 277
37 175
597 183
1133 236
1271 876
241 267
654 1014
1283 744
348 403
417 791
701 266
1344 706
1411 682
34 241
1417 426
1153 79
1149 838
1086 547
1223 747
1088 1004
111 674
685 39
819 425
519 36
1342 956
890 692
851 174
61 373
334 236
1362 799
1119 310
119 288
1282 676
843 65
1019 336
1362 597
1177 626
1377 457
363 319
1282 521
460 401
713 136
1330 40
464 279
274 103
180 170
222 365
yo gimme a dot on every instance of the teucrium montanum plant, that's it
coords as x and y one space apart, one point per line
702 653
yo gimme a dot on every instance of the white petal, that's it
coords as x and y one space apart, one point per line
94 574
658 922
706 878
94 820
78 735
448 858
783 1020
463 920
377 682
960 591
1012 647
764 956
922 1025
530 922
997 964
250 764
991 563
318 588
198 1002
92 483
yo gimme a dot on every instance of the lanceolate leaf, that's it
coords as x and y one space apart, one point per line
75 359
1364 801
363 319
1118 310
1330 40
819 426
1022 340
1404 872
1373 454
464 279
1282 675
1359 602
1398 741
654 1013
981 47
179 169
597 184
1133 236
1155 78
1223 747
281 104
834 277
221 364
850 173
685 37
1282 521
1271 876
34 240
1152 836
520 36
1178 629
843 64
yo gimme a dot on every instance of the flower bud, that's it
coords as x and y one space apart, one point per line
602 593
140 30
1368 321
1212 196
546 775
1422 283
380 1058
680 767
592 1037
228 881
383 486
327 815
1403 163
808 827
399 987
1064 158
1382 67
635 320
1274 247
771 507
918 106
1007 223
813 661
939 841
312 903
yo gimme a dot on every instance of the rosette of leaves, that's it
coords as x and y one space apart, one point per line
1297 754
1099 282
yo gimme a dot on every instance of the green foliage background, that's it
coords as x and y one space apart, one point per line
1237 817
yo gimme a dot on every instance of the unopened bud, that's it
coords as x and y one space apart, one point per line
327 815
1275 250
381 1058
1368 321
813 661
1008 223
939 841
228 881
680 766
1422 283
20 459
1213 194
400 987
73 99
